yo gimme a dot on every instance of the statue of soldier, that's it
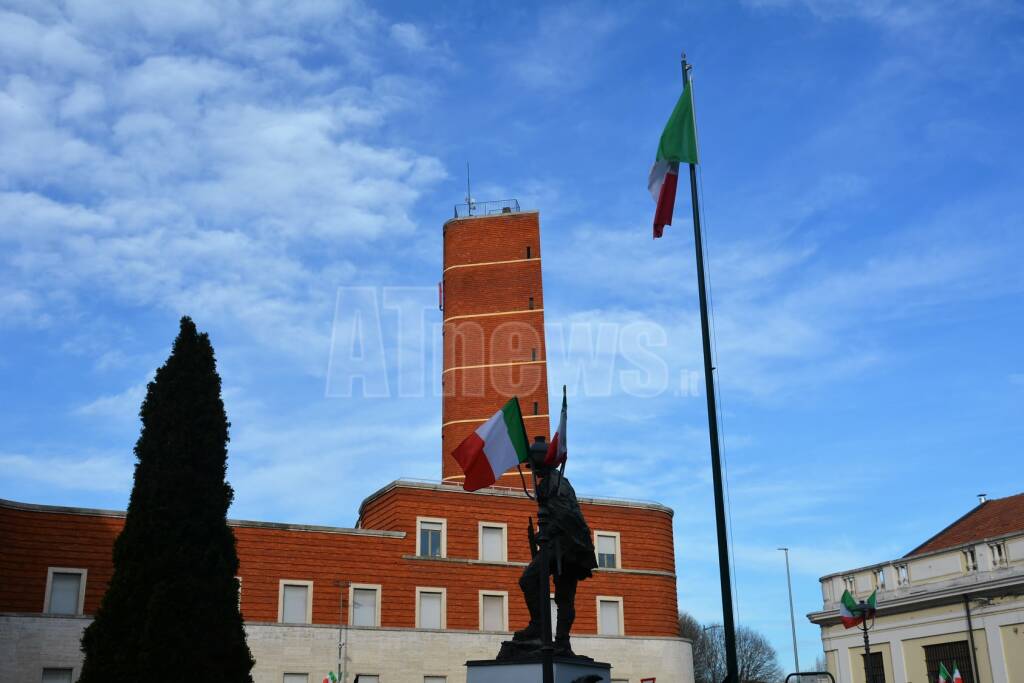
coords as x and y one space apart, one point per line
570 552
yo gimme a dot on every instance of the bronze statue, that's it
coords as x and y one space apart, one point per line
561 548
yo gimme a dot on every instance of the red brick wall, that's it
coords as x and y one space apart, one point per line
35 540
477 393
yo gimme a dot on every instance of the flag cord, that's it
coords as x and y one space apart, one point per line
718 394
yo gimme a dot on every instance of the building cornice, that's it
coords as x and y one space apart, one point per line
506 493
236 523
906 559
1001 582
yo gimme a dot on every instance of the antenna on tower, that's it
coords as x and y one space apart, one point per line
469 195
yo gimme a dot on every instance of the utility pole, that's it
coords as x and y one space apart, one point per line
792 618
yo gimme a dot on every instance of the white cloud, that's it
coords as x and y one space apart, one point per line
201 181
106 473
409 36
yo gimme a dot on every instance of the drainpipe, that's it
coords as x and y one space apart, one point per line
970 633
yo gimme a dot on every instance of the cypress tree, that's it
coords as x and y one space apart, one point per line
171 612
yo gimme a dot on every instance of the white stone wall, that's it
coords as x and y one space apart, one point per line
30 642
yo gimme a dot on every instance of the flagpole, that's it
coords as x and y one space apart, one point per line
729 627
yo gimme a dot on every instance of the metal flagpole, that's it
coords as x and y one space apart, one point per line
729 627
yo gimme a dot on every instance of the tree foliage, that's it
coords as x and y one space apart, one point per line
170 613
757 659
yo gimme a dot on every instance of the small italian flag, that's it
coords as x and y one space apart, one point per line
851 613
557 449
943 673
678 144
496 446
957 678
330 678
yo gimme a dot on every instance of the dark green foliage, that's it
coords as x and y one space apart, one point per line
171 613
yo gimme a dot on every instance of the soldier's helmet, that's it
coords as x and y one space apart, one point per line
538 453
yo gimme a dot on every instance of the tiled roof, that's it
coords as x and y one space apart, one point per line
992 518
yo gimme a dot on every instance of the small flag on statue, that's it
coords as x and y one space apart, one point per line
495 447
678 145
558 451
851 613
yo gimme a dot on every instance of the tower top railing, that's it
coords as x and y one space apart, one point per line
486 208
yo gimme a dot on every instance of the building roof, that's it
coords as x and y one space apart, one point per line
996 517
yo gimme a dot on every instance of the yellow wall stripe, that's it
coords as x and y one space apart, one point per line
485 419
486 315
489 263
493 365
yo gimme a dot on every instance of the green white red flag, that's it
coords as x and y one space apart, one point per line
495 447
943 673
557 449
957 678
851 613
678 144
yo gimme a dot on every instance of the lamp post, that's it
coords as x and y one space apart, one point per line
792 618
868 614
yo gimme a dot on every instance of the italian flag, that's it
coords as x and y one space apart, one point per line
943 673
557 450
851 613
957 678
496 446
678 145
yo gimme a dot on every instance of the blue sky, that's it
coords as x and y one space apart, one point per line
256 167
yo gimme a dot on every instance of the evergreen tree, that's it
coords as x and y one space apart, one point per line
171 613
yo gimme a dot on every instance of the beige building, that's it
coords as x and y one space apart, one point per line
958 599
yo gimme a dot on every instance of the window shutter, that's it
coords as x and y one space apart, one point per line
494 613
364 607
430 610
493 539
64 590
610 618
294 611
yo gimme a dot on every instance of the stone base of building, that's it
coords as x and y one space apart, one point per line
566 670
31 642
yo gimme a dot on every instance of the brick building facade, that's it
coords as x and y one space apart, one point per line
429 577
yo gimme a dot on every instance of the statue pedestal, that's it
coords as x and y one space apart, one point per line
567 670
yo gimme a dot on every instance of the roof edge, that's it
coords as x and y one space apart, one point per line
509 493
238 523
947 528
490 215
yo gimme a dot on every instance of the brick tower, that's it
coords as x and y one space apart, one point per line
493 310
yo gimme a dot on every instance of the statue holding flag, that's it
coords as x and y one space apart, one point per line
561 546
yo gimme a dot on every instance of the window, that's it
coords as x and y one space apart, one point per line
970 560
902 574
296 678
295 603
850 584
607 546
364 604
528 252
65 590
56 675
493 610
947 653
536 408
367 678
531 303
493 547
998 554
432 535
430 608
533 354
876 672
879 578
609 616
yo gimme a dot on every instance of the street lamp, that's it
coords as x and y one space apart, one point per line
867 613
792 618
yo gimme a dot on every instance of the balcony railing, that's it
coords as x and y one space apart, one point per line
486 208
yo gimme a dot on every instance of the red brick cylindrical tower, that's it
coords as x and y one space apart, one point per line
493 308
